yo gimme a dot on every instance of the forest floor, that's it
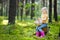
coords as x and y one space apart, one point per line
25 30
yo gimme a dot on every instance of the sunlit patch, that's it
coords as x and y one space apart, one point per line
5 22
29 23
25 24
22 24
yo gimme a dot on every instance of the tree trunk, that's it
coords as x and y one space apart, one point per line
12 11
1 10
55 10
46 3
17 9
27 10
22 1
43 3
50 10
32 9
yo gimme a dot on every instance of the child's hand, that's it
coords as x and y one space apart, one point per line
37 23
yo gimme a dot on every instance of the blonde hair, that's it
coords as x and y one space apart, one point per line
44 8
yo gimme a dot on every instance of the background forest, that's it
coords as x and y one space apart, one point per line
17 19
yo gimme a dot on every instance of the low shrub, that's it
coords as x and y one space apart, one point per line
1 19
59 17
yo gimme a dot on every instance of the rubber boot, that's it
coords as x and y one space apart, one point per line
42 34
37 34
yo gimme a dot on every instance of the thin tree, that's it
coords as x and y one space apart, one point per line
27 10
55 10
32 9
12 11
46 3
43 3
21 14
50 10
17 9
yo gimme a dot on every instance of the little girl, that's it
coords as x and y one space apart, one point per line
42 22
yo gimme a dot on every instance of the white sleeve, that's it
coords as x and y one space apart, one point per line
36 22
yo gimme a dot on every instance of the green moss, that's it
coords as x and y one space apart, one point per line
25 30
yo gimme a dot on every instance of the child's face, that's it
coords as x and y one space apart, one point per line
44 11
